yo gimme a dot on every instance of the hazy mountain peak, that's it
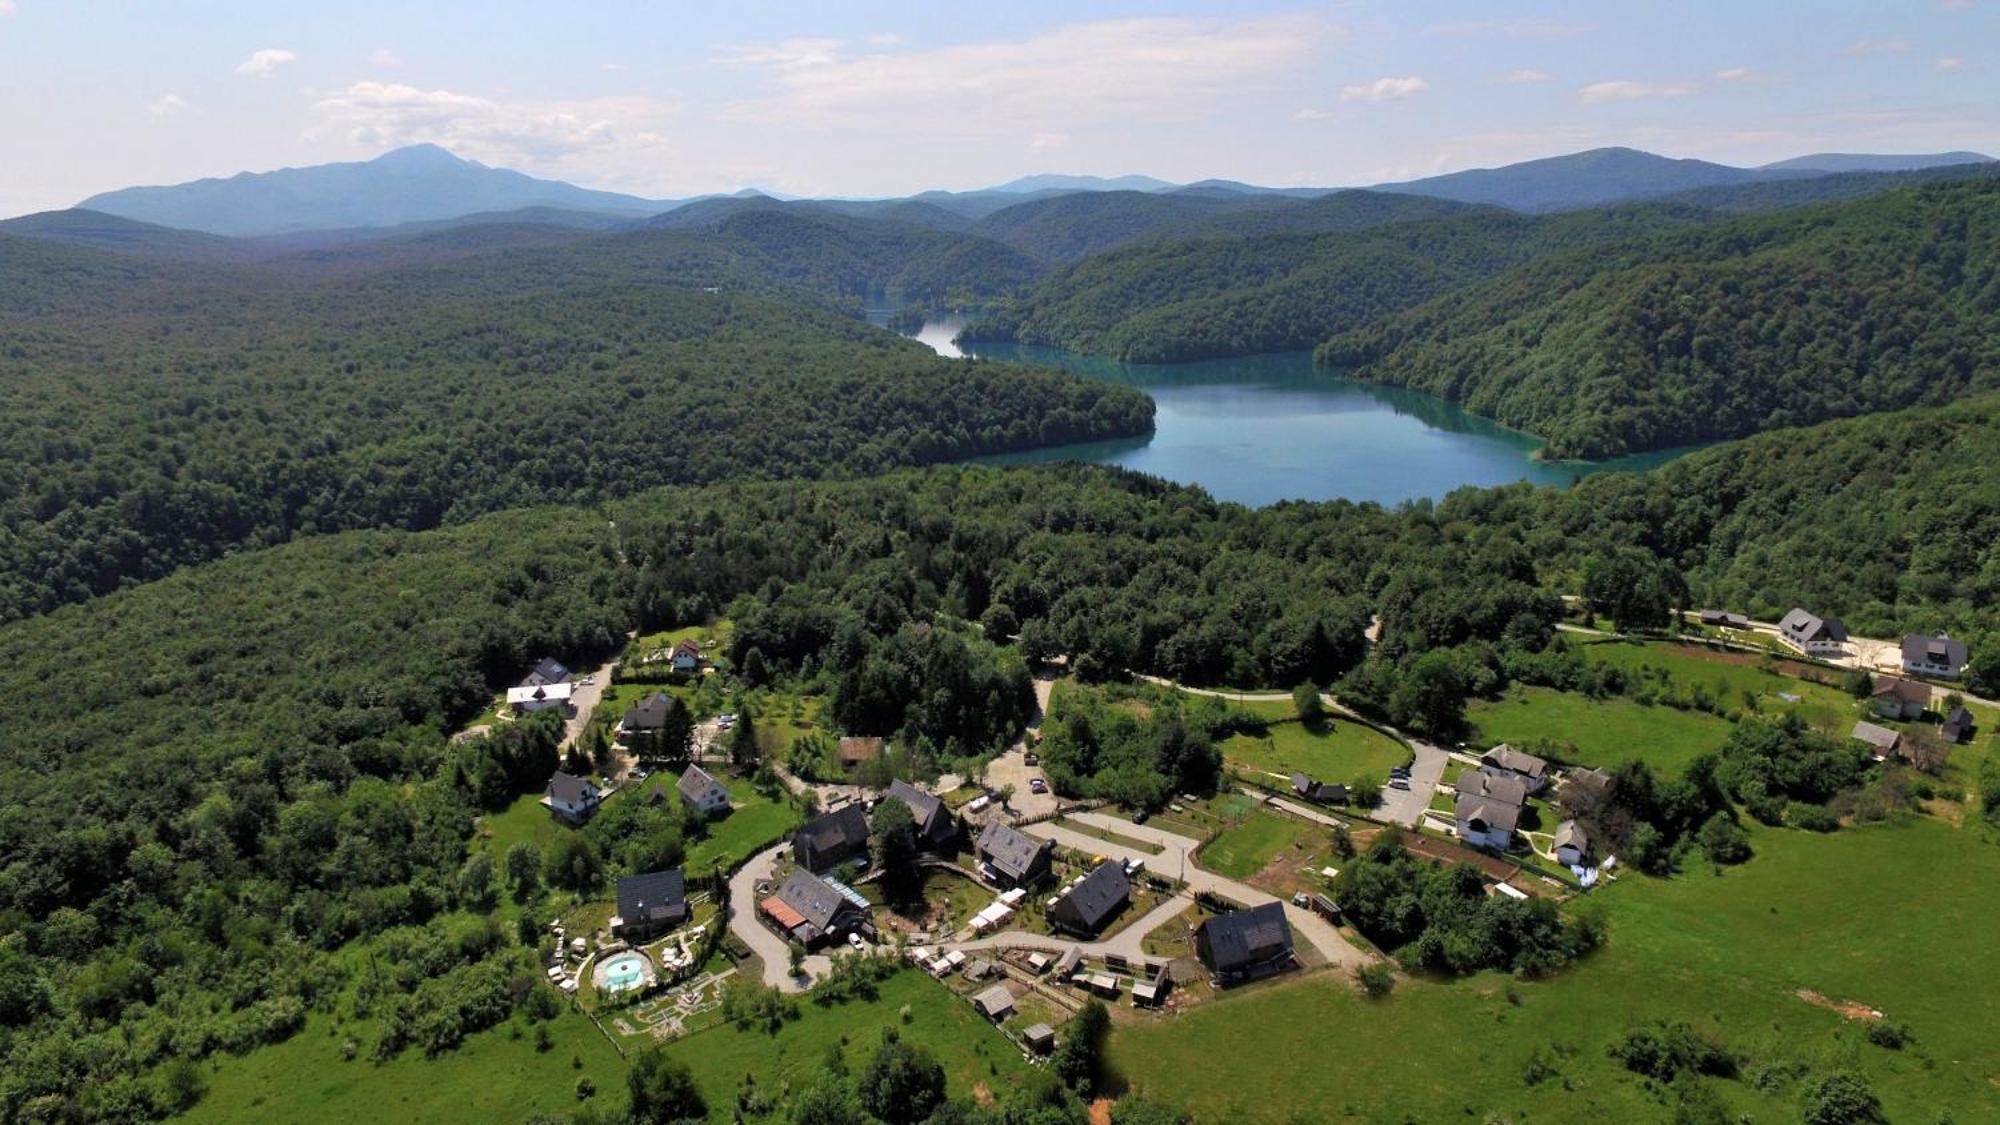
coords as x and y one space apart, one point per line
1053 181
1875 162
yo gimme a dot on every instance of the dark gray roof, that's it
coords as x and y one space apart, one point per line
1880 737
1571 833
651 712
927 809
1948 651
815 901
549 670
1506 757
1247 937
1810 627
1498 790
1011 852
845 827
1092 902
568 789
654 896
1496 815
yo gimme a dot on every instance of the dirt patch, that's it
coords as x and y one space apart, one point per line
1100 1112
1497 870
983 1094
1848 1009
1811 673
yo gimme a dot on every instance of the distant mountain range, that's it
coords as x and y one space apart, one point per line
404 190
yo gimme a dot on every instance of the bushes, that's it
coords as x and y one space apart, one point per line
1671 1049
1376 979
1724 841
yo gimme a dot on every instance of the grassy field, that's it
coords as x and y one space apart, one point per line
976 1057
735 838
1729 676
1605 732
1334 750
494 1076
1244 848
1897 917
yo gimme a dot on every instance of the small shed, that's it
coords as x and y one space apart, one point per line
979 970
1041 1038
1149 993
1104 984
996 1003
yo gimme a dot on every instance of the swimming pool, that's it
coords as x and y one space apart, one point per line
627 970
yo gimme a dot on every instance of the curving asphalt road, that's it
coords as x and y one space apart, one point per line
771 949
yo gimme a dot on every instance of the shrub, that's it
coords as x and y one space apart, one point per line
1884 1033
1376 978
1812 818
1724 840
1670 1049
1841 1099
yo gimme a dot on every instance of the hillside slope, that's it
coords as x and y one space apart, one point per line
1778 320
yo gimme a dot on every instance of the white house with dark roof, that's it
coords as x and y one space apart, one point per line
1572 844
686 657
1942 656
572 798
1901 700
1094 901
530 698
650 904
1813 635
1012 858
701 793
1488 809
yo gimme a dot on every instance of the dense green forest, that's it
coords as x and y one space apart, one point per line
1218 296
1764 322
165 414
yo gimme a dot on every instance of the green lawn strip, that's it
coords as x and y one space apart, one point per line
1728 676
1604 732
755 824
972 1052
1726 953
1108 836
1244 848
1338 750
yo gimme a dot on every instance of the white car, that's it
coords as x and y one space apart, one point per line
855 941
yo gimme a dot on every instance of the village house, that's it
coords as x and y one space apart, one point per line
571 798
650 905
702 794
855 752
1942 656
1883 741
1011 858
811 911
1506 762
544 673
827 841
1318 792
686 657
1245 944
645 721
937 828
1039 1038
1957 725
1902 700
1813 635
1718 619
1488 809
1572 844
996 1003
527 699
1095 900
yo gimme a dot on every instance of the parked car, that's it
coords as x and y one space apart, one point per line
726 717
1300 899
1399 771
1037 785
1032 759
855 941
1399 783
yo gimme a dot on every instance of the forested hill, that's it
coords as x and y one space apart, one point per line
1219 296
1762 322
161 414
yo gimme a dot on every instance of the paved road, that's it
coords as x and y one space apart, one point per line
1012 768
583 702
771 949
1174 860
1406 806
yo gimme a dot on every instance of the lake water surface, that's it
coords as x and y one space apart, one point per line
1260 429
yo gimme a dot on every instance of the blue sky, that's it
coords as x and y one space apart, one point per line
860 98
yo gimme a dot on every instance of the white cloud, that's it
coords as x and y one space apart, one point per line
1166 69
1509 29
1877 47
1526 75
1048 140
786 54
1598 92
1311 115
264 63
533 133
1384 89
385 57
169 105
1741 74
1948 63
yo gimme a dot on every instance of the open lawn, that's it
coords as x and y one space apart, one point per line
496 1075
754 825
1729 676
975 1056
524 821
1730 954
1604 732
1244 848
1337 750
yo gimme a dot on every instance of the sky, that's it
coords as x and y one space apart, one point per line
859 98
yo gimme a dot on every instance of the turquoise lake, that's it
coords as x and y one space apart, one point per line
1260 429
